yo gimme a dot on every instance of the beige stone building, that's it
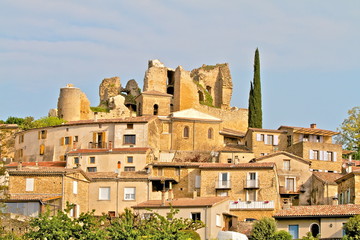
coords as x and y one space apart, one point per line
326 220
348 188
324 189
7 142
294 177
213 211
32 189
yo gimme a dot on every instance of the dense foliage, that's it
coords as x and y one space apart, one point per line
352 228
265 229
29 122
128 226
255 102
349 135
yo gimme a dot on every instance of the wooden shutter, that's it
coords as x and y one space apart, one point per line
266 139
311 154
258 137
301 136
326 156
94 137
39 134
334 156
62 141
70 140
276 140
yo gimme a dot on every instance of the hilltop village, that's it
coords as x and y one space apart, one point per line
178 143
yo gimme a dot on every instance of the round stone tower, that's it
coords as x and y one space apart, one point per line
69 103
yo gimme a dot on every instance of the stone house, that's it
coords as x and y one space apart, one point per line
326 220
294 177
348 188
213 211
53 143
253 188
33 189
324 189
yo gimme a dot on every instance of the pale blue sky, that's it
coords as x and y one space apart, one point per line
309 51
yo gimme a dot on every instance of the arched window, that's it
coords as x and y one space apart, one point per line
210 133
314 229
208 88
201 96
186 132
156 109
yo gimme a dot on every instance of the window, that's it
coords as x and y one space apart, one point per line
197 181
76 160
294 231
21 138
196 216
160 171
75 187
42 134
92 160
129 139
104 193
289 140
210 133
156 109
316 155
130 126
130 159
92 169
286 165
177 171
129 193
42 149
186 132
251 195
229 160
306 138
260 137
290 184
218 220
29 185
66 140
129 169
318 138
252 180
21 153
76 138
270 139
224 180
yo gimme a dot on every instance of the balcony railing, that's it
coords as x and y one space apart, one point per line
251 204
252 183
97 145
223 185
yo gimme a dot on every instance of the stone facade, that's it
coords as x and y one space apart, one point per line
348 188
7 141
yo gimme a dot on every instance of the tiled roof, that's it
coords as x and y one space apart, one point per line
183 202
315 131
281 153
176 164
354 172
239 165
231 132
32 197
235 148
112 151
267 130
192 114
327 177
60 164
114 120
113 175
319 210
157 93
347 151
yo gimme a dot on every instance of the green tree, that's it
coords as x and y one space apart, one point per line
349 135
29 122
61 226
309 236
282 235
255 102
352 228
264 229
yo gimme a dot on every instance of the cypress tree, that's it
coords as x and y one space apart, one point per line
255 105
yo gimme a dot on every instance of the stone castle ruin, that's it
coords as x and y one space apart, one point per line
207 89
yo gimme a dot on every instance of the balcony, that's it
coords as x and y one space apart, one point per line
222 184
93 145
284 191
247 205
251 183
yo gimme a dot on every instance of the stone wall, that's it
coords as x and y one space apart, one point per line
7 140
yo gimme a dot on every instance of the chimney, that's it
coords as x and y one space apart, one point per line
313 125
19 166
163 198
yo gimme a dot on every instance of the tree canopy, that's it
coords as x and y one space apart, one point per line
352 228
349 135
29 122
255 102
265 229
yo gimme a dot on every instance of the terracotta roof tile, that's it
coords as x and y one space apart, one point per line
32 197
315 131
239 165
60 164
183 202
280 153
105 150
327 177
319 210
231 132
113 175
267 130
113 120
176 164
235 148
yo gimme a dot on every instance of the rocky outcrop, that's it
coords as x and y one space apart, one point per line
109 87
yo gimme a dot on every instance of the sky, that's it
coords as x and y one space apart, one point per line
309 51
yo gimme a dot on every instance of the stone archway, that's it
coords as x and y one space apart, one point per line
314 229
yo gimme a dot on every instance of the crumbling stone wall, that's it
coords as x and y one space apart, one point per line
109 87
7 140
